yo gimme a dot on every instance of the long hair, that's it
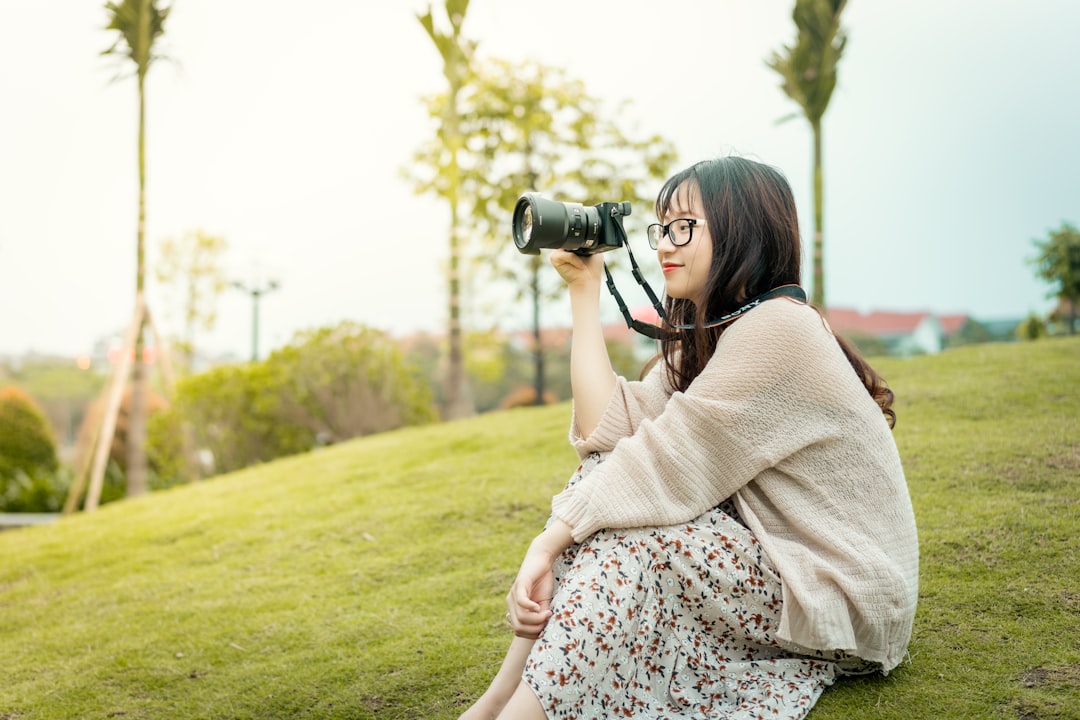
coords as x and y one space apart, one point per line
751 215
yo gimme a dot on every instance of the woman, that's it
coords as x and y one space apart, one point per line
739 532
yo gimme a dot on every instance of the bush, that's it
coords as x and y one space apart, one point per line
1032 327
30 480
165 451
330 385
26 439
235 412
348 381
37 491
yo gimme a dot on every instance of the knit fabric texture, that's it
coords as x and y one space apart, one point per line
779 422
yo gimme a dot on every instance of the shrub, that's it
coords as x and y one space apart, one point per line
347 381
1032 327
165 451
329 385
38 490
26 439
30 478
235 412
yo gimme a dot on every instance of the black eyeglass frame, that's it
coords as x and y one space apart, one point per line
656 236
667 333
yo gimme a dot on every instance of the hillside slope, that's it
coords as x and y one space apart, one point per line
366 580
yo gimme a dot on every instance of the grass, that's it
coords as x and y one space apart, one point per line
366 580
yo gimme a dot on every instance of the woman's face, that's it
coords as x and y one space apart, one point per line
685 267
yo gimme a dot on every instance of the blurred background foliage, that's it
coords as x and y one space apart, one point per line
326 386
498 129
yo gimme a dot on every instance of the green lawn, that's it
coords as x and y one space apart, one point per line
366 580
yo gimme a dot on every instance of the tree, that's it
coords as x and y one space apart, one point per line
808 76
138 24
191 266
531 127
456 53
1058 262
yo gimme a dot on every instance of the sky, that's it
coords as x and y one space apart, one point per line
950 145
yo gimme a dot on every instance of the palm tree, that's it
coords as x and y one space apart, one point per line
808 72
456 52
138 24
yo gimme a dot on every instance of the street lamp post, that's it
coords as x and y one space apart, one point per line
256 292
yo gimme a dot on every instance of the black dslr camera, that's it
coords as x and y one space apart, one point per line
584 230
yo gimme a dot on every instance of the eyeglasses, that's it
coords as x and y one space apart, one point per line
680 231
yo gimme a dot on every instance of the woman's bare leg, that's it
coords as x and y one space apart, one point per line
523 705
504 685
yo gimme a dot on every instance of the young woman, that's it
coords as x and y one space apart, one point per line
739 533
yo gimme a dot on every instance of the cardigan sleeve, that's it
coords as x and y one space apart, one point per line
631 403
755 403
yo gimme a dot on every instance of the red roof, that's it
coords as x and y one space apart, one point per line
951 324
883 323
875 323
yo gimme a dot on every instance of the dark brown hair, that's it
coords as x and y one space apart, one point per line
751 216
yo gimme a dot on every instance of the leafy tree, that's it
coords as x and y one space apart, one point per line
456 53
191 267
531 127
1058 262
808 76
138 25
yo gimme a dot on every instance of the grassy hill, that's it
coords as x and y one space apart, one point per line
366 580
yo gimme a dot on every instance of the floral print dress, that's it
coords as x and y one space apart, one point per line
673 622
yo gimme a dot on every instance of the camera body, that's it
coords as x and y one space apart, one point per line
540 223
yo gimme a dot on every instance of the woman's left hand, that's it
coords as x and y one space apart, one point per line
529 599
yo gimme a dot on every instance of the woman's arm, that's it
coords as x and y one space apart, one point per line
767 392
591 377
529 599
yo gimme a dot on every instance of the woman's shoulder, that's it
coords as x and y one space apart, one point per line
780 320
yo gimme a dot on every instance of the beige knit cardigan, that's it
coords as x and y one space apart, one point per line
779 421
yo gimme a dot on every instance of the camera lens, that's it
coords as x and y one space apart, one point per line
549 224
526 224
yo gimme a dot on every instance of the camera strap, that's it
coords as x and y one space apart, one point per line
658 333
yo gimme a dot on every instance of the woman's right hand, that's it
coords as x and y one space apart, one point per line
529 599
579 272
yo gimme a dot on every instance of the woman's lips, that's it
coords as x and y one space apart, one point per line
668 267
